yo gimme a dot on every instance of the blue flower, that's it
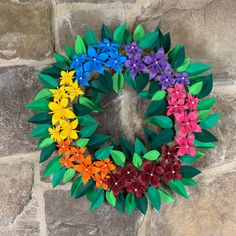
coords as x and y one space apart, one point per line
95 60
78 61
107 46
82 78
116 61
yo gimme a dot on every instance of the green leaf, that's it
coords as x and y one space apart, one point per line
184 66
75 186
90 37
48 81
120 203
45 143
189 182
97 140
126 37
126 147
119 33
118 157
106 32
162 121
165 136
39 105
199 155
79 46
188 159
205 136
69 174
61 58
209 121
189 171
159 95
40 130
40 118
165 196
111 198
152 155
203 144
47 152
99 199
142 204
103 153
140 82
137 160
178 187
118 82
203 114
166 42
88 103
43 94
139 33
196 88
52 167
91 195
78 189
178 57
57 177
206 104
155 108
149 40
52 71
82 142
197 68
207 86
139 147
130 203
154 197
70 52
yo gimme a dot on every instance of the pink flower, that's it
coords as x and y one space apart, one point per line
185 145
177 92
191 103
188 123
175 106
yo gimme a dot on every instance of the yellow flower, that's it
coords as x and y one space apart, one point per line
74 90
55 133
58 94
67 77
60 111
68 129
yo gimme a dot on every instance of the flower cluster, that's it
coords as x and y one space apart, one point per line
156 65
183 107
105 54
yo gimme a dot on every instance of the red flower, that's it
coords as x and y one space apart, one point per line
185 145
169 153
116 182
151 173
137 188
128 173
191 103
175 107
177 92
172 171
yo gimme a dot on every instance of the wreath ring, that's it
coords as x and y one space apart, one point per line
126 175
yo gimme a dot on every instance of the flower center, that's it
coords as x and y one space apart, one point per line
108 44
187 123
94 59
134 65
77 59
116 183
100 181
175 105
86 169
168 153
136 190
105 165
187 146
173 172
132 47
128 172
151 174
80 78
192 102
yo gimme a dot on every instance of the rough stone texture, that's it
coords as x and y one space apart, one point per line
17 209
65 216
18 86
25 30
209 211
95 1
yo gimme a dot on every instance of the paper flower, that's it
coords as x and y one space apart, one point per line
64 146
58 93
177 93
77 154
82 78
105 166
116 182
78 61
191 103
107 46
73 90
116 61
181 78
55 133
172 171
132 49
175 107
185 145
100 183
137 188
66 161
67 77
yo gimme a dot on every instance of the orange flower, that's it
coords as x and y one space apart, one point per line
100 183
77 153
66 161
86 169
64 147
105 166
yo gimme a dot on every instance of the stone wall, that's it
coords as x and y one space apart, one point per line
30 32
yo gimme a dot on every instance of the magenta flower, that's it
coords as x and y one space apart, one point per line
191 103
185 145
177 92
175 106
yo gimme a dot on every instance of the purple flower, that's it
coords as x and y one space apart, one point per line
132 49
136 65
181 78
165 81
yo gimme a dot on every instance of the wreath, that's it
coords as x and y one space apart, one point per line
177 119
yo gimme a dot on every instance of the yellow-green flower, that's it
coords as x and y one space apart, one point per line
68 129
55 133
73 90
58 93
67 77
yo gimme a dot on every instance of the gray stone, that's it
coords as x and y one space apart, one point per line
65 216
25 30
95 1
18 210
18 86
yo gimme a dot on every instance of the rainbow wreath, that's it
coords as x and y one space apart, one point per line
126 175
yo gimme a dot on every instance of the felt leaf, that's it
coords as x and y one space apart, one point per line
97 140
119 33
162 121
184 66
48 81
206 145
110 197
195 88
130 203
90 37
43 94
129 80
154 197
45 143
40 130
178 187
78 189
205 136
137 160
209 121
188 159
165 196
164 136
197 68
91 195
79 46
106 32
178 57
88 131
126 37
69 175
189 182
142 204
145 94
160 39
126 147
207 86
148 40
155 108
152 155
206 104
99 199
75 186
52 71
159 95
61 66
118 82
140 82
200 154
203 114
120 203
88 103
103 153
61 58
189 171
47 152
138 33
39 105
57 177
166 42
82 142
118 157
70 52
139 147
40 118
53 166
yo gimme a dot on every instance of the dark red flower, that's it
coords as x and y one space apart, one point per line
151 173
128 173
168 153
137 188
172 171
